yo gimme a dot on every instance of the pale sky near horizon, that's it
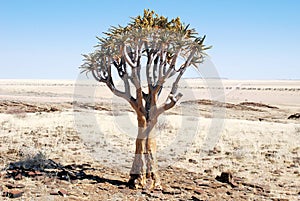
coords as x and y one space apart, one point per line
257 39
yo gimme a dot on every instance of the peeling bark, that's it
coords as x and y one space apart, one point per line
144 173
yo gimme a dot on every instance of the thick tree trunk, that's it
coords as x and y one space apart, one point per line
151 161
137 172
143 173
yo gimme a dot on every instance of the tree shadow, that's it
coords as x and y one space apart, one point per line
38 165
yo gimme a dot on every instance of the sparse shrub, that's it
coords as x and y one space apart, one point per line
32 160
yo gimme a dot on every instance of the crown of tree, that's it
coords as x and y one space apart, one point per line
148 35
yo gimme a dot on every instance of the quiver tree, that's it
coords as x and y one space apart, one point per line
156 48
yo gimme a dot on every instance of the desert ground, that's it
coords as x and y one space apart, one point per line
225 140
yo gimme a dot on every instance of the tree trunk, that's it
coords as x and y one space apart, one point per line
144 166
151 161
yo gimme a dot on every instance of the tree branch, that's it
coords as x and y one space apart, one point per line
127 58
96 76
167 74
170 102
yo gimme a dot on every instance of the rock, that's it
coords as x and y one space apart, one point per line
171 191
63 192
226 177
31 174
208 171
195 198
294 116
228 193
14 194
199 191
54 193
203 184
277 172
12 171
38 173
10 186
19 186
18 176
192 161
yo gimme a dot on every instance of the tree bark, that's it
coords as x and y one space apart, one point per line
143 173
151 161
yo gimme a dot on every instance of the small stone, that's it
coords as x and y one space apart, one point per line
277 172
226 177
195 198
228 193
176 186
11 171
294 116
18 176
20 186
15 194
38 173
31 174
54 193
171 191
10 186
208 171
199 191
1 189
192 161
63 192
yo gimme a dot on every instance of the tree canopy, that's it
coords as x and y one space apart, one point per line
160 40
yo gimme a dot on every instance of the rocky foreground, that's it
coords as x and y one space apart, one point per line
91 182
48 160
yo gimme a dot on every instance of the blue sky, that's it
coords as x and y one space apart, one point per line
252 39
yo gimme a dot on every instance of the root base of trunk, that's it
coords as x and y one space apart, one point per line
141 182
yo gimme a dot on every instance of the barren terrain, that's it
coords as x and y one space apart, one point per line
226 140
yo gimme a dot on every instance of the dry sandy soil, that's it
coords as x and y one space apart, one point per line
226 140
